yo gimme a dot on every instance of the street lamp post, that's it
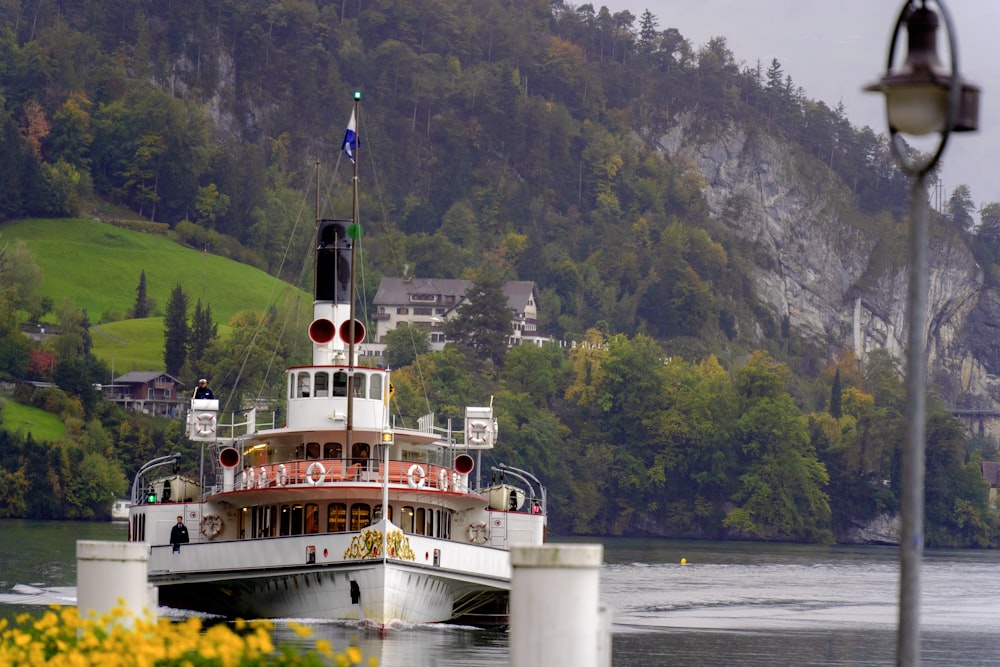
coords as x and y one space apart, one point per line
922 98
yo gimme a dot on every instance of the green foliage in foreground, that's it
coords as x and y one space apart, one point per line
61 638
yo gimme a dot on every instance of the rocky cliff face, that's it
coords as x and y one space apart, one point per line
831 278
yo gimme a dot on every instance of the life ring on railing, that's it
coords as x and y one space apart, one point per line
479 533
315 468
205 424
282 477
211 526
443 480
419 471
262 478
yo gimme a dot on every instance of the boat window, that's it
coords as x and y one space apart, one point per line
340 383
377 513
297 512
376 386
359 384
332 450
406 519
430 522
336 518
361 516
262 521
322 384
312 518
312 450
303 385
268 521
420 518
360 452
446 534
285 524
243 524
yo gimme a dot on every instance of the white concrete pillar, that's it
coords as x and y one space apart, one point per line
107 572
554 601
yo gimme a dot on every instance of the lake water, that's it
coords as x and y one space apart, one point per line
732 603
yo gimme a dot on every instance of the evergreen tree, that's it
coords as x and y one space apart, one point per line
141 308
961 207
483 321
176 331
836 399
203 333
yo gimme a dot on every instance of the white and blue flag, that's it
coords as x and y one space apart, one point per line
351 139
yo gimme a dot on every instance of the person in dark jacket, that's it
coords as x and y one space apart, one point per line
203 390
179 534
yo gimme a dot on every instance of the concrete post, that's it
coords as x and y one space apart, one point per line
113 574
554 607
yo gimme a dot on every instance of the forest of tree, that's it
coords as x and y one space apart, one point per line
498 141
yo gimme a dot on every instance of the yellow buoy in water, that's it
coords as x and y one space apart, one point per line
684 561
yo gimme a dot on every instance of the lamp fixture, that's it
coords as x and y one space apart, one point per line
916 95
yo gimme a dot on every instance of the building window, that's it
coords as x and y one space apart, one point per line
402 311
166 393
423 311
423 298
150 393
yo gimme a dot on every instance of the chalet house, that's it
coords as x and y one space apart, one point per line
428 303
991 473
149 392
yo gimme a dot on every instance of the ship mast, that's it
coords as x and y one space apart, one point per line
353 232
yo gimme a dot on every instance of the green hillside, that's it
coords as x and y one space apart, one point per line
97 266
19 418
133 345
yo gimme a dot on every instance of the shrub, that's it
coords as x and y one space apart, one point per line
61 638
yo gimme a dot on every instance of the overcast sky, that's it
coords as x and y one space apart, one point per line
831 48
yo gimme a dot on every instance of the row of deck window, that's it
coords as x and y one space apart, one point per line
322 384
305 518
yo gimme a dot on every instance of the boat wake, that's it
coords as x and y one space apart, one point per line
38 594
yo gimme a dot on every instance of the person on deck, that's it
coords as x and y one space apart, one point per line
179 534
203 390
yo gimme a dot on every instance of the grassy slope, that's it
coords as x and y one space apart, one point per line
96 266
26 419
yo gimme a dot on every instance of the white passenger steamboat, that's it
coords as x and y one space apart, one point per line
337 513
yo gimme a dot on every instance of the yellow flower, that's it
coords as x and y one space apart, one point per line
324 647
300 630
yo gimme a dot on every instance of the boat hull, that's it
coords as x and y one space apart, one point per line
274 578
